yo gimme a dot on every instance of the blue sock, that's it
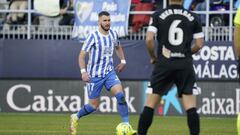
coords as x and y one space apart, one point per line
85 110
122 106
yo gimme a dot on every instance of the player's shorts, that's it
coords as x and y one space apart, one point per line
96 84
164 78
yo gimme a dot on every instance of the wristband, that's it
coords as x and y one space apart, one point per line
123 61
83 70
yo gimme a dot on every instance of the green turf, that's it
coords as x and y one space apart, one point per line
57 124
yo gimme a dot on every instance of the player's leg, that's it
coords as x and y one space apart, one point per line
113 84
88 108
188 90
189 103
85 110
161 82
238 124
94 89
117 91
146 116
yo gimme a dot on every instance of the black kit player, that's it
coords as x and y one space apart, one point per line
176 28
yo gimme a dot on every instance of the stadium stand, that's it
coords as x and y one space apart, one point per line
49 14
67 19
16 18
56 32
139 21
3 5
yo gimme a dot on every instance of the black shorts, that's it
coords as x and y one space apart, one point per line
164 78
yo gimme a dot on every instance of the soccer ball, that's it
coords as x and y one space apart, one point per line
124 129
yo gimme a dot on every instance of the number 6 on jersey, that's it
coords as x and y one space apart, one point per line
175 34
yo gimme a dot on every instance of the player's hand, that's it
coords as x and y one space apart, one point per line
120 67
85 77
153 60
166 52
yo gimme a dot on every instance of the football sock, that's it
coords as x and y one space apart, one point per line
145 120
193 121
85 110
238 124
122 106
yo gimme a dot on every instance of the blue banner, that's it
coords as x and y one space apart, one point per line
86 16
53 59
216 61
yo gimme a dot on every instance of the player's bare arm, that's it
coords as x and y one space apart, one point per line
197 45
120 54
82 64
150 46
237 40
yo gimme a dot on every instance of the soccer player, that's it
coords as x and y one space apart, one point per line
237 38
100 72
237 51
176 28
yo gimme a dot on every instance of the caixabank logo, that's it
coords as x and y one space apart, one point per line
170 99
47 100
167 101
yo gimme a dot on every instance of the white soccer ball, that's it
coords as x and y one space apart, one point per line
124 129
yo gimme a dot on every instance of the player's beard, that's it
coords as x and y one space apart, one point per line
105 28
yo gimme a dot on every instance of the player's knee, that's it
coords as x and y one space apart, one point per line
120 98
151 103
189 101
94 103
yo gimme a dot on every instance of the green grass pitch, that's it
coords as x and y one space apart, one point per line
57 124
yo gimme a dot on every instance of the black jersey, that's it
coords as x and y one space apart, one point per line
175 27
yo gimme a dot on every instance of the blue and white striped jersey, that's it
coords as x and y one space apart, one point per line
100 48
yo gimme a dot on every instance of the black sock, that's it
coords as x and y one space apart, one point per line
193 121
145 120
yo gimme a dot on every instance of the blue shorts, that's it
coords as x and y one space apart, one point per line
96 84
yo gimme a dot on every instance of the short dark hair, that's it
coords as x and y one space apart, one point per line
103 13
